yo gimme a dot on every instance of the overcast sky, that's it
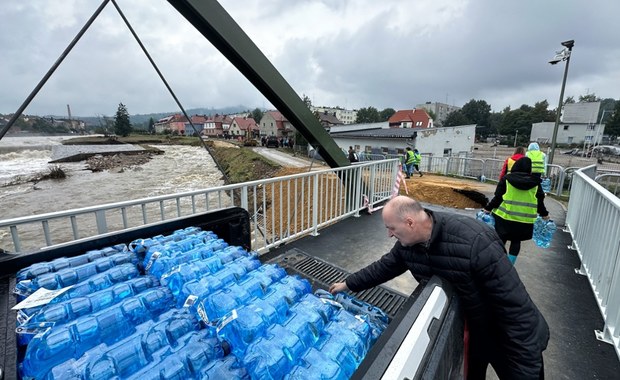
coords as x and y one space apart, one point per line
348 53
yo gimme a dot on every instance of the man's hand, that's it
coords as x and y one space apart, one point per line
338 287
546 217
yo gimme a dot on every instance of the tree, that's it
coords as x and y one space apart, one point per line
432 115
612 127
151 127
541 112
386 114
122 125
257 115
306 99
589 98
368 115
477 111
455 118
569 100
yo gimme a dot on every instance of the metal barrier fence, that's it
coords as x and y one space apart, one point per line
592 220
281 208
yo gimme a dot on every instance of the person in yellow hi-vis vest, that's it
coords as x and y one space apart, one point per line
518 200
519 153
539 160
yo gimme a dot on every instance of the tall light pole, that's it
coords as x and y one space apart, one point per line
563 55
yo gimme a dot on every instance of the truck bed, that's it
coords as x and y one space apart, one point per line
423 339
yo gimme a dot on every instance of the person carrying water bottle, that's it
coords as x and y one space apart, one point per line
518 200
539 160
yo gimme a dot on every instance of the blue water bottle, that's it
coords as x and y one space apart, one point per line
543 232
546 185
130 354
227 368
273 355
486 218
316 365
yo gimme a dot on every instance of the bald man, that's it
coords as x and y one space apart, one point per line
506 329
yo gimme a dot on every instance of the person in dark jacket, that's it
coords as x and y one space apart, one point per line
506 329
518 200
353 155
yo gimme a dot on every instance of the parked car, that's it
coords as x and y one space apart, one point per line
272 142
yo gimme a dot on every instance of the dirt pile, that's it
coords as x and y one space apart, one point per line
118 162
445 191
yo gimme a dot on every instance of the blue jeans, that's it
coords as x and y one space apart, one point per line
409 169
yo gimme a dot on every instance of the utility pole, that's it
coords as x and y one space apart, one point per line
563 55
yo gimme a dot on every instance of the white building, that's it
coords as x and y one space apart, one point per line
346 116
578 125
568 133
440 110
437 142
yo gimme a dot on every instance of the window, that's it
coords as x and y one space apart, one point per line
418 123
566 127
589 138
590 127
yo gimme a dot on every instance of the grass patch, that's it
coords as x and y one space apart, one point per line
243 165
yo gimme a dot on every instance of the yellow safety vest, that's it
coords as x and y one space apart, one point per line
410 157
538 160
518 205
417 157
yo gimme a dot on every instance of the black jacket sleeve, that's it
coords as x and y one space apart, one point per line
500 190
386 268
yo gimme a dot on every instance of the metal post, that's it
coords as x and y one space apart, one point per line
569 46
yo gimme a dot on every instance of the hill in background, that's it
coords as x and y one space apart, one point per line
142 120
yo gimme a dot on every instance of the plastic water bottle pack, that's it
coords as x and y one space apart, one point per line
234 318
546 185
543 232
485 218
39 269
72 275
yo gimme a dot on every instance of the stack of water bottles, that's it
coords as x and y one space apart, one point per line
543 232
486 218
186 305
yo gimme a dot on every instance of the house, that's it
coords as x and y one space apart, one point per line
328 119
274 123
173 123
345 116
218 126
415 118
199 122
578 125
244 126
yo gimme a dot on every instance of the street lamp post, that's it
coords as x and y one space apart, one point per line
563 55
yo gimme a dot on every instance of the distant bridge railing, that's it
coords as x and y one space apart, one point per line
281 208
592 220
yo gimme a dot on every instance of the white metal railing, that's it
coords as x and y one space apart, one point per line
592 220
281 208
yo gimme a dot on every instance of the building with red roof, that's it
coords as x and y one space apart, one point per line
415 118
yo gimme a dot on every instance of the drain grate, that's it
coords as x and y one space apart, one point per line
321 274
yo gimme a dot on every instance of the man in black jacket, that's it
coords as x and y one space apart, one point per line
506 329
